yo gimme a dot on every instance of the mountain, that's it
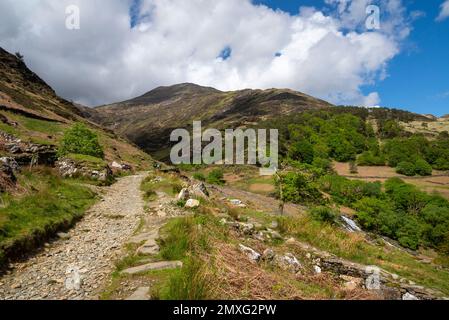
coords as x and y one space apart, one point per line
149 119
32 112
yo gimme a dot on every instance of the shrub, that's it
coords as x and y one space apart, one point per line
406 168
216 177
199 176
323 214
324 164
81 140
298 188
369 159
423 168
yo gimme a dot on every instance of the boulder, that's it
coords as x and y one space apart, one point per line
192 203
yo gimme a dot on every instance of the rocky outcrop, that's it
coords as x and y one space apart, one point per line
69 168
388 285
25 153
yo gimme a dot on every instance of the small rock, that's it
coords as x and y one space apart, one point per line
276 235
288 262
141 294
268 255
252 254
317 269
291 241
192 203
63 236
409 297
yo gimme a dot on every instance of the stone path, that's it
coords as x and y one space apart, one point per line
78 265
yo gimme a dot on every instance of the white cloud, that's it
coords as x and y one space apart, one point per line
323 53
444 13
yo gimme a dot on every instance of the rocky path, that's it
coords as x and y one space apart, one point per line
77 266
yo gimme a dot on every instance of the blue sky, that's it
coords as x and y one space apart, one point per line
418 78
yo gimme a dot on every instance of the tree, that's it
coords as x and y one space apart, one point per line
81 140
302 151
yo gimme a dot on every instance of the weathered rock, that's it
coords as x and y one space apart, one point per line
120 166
350 225
141 294
184 195
250 253
351 283
288 262
163 265
409 297
199 190
63 236
69 168
149 248
192 203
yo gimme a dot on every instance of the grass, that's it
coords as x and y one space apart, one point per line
49 205
89 160
169 185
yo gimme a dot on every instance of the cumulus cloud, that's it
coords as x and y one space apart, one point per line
324 52
444 13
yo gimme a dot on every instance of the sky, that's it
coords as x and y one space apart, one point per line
337 50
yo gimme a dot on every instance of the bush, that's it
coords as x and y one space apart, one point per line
423 168
323 214
216 177
81 140
406 168
299 188
199 176
369 159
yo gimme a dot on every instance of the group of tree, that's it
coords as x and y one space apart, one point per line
400 211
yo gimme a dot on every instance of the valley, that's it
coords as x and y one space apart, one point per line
358 209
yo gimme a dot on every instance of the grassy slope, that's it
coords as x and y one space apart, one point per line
45 205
